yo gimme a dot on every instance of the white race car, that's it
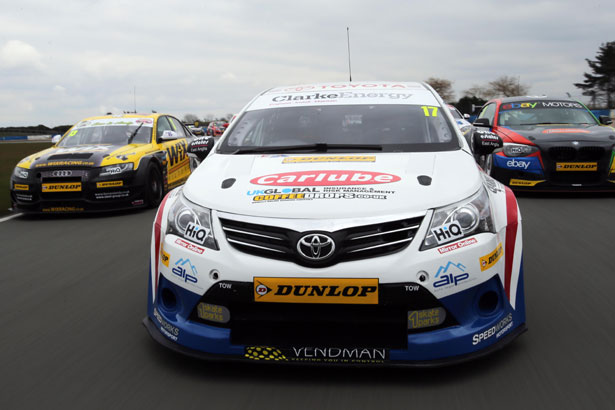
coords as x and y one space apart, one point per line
339 223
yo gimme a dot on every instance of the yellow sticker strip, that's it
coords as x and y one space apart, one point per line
21 187
329 158
62 187
109 184
492 258
316 290
576 166
523 182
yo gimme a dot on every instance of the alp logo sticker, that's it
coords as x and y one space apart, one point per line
451 274
491 259
196 232
446 232
181 271
325 178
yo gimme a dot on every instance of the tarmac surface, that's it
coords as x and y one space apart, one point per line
73 294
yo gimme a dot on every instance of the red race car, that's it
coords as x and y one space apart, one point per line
551 144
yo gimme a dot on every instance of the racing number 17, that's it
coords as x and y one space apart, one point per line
434 111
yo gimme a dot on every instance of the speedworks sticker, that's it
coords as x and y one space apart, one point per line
498 330
316 290
325 178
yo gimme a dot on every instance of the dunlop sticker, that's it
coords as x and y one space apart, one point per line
576 166
109 184
62 187
21 187
164 257
330 158
523 182
316 290
492 258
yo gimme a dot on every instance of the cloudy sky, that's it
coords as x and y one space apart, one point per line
63 61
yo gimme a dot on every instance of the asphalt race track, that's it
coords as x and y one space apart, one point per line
73 294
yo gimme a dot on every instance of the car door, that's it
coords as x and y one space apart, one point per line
178 162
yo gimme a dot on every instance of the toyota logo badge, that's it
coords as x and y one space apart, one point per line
315 246
63 173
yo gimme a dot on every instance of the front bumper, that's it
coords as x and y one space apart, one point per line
536 178
86 192
155 333
467 333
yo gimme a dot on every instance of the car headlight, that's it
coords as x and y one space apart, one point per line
21 173
459 220
116 169
192 222
518 150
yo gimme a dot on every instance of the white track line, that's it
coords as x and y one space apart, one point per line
9 218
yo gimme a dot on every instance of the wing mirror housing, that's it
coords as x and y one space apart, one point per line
481 122
168 135
605 120
485 142
201 147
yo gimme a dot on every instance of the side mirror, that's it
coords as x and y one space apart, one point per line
481 122
56 138
605 120
466 116
168 135
200 147
485 142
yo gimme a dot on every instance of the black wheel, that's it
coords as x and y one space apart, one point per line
153 188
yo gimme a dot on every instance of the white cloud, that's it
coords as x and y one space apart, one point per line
214 56
18 54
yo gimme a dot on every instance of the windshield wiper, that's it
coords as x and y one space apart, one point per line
547 123
318 147
134 134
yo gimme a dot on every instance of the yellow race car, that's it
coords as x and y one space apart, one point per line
103 163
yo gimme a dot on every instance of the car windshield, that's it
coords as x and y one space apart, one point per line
112 131
456 114
384 127
544 112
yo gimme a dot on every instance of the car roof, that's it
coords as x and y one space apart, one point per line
533 98
346 93
100 117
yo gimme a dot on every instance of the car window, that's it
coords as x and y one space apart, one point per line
163 125
396 127
109 131
177 127
544 112
488 112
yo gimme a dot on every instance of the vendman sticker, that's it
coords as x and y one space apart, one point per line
333 355
316 290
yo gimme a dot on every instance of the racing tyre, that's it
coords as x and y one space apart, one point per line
153 187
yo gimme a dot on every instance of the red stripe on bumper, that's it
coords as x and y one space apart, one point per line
511 237
157 228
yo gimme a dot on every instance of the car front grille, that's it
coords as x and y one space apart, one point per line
354 243
562 154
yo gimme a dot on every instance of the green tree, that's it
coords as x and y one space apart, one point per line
600 84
